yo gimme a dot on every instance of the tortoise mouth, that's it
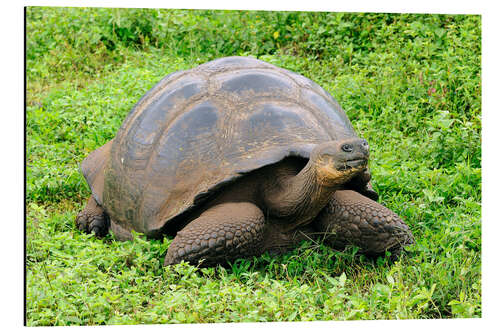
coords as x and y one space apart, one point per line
352 164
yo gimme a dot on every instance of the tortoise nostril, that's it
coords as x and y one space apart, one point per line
347 148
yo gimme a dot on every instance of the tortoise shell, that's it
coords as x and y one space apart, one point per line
202 128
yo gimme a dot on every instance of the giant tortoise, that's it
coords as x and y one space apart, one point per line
234 158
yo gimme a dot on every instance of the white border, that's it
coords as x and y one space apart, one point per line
421 6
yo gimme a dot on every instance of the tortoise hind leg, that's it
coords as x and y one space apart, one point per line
93 219
119 232
223 233
353 219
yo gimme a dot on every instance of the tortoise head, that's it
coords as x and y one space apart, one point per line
336 162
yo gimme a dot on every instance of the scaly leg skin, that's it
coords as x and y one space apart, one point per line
222 233
120 233
353 219
93 219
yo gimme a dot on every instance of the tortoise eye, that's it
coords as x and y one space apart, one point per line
347 148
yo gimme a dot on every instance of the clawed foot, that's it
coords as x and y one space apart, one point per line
97 224
93 219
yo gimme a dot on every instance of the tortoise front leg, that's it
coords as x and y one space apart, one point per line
353 219
93 218
222 233
361 184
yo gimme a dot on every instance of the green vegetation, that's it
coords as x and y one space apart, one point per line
411 85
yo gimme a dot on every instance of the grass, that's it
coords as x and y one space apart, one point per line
411 85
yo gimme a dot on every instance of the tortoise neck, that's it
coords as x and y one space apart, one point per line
298 199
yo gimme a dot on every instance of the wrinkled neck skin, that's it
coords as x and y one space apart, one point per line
297 200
